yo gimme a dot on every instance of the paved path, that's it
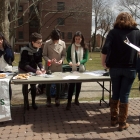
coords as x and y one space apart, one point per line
89 121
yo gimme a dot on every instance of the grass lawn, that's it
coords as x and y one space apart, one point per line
95 64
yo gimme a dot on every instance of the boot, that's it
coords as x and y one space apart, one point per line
123 112
114 105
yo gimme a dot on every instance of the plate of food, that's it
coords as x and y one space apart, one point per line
22 76
3 75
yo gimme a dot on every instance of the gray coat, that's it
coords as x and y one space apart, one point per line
50 51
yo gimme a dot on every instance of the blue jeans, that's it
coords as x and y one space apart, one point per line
122 80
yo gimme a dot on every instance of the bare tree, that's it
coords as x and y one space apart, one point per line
132 6
4 22
98 8
106 24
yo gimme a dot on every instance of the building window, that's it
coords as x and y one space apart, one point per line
60 21
20 8
20 21
60 6
62 35
20 35
34 23
69 35
32 9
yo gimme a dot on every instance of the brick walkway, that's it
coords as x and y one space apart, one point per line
89 121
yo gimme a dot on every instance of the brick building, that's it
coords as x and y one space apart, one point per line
67 15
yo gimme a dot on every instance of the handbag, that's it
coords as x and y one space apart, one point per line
82 68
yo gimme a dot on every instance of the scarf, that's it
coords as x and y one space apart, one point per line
79 55
31 50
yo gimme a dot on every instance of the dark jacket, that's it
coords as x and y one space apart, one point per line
29 61
8 55
119 54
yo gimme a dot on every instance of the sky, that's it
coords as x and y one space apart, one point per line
112 5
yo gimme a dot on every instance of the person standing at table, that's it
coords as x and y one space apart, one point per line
54 51
30 61
121 61
6 58
77 56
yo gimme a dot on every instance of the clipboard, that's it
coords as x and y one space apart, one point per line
131 45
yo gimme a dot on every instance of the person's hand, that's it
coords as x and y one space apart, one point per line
105 67
78 64
43 71
54 60
59 62
70 64
38 72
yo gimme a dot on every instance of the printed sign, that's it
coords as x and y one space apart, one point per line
5 111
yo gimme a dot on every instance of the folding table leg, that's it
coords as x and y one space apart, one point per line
102 99
25 95
103 89
109 92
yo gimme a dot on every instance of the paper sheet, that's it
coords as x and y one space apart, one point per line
96 73
71 77
132 45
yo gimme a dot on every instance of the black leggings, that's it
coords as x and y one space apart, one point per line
71 90
33 92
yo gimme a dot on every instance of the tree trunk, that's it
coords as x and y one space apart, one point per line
4 21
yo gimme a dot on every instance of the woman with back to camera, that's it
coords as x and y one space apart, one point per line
121 61
6 57
77 56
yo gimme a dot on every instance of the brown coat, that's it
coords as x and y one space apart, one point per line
50 51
